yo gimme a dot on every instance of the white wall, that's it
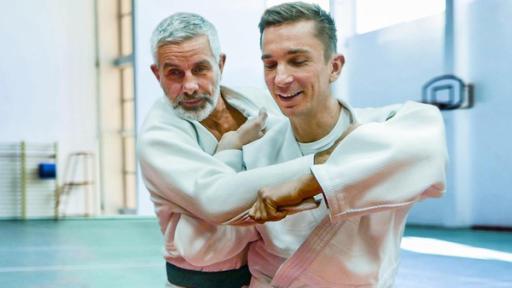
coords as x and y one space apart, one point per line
236 22
47 73
391 64
484 57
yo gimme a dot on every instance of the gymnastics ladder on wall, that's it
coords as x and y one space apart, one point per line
78 174
24 194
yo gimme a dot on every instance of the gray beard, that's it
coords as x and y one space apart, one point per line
203 112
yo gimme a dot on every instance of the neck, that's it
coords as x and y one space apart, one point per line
310 128
223 119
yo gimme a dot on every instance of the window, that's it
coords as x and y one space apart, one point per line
376 14
116 107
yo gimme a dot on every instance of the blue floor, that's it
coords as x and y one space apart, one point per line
127 253
479 259
81 254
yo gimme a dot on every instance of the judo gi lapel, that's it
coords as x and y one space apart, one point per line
292 268
248 108
299 262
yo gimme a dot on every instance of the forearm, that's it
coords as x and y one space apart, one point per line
386 165
232 158
308 187
230 195
209 189
203 244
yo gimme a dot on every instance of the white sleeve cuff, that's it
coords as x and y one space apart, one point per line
231 157
333 199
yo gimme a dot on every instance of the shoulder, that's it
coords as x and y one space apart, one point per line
384 113
257 96
376 114
418 106
413 109
161 123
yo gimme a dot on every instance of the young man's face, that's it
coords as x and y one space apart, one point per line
296 72
190 77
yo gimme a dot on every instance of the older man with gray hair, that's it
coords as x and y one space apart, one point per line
191 176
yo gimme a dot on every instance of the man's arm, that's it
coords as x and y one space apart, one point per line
202 244
229 148
176 168
387 165
252 130
379 166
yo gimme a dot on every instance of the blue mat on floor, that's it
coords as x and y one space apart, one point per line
433 271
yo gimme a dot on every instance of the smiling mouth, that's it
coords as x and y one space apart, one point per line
288 97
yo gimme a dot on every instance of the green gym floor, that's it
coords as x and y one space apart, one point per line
126 253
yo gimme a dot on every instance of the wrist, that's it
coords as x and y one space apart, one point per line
230 140
309 187
237 144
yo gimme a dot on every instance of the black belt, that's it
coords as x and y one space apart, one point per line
199 279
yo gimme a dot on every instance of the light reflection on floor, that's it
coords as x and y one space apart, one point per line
452 258
447 248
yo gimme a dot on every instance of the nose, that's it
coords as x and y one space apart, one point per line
190 84
283 78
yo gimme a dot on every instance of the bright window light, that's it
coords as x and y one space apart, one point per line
376 14
322 3
452 249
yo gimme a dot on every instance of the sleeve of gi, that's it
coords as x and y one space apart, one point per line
202 244
387 164
175 168
231 157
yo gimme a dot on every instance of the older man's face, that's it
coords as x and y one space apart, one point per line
296 72
190 77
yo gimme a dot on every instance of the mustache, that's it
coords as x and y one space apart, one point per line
195 96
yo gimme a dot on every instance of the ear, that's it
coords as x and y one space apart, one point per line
222 61
155 71
337 63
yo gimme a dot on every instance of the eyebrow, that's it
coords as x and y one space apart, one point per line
203 62
171 65
290 52
167 65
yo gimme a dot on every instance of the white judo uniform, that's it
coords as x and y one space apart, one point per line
370 182
194 192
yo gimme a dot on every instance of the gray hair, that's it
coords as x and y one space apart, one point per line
300 11
180 27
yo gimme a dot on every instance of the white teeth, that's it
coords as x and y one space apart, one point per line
289 95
